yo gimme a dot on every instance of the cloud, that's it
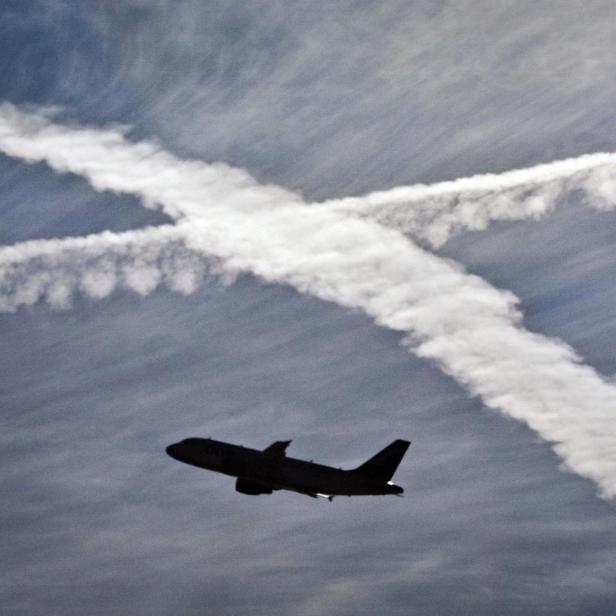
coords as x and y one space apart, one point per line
471 330
340 98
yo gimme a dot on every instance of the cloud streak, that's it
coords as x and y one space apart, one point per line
471 330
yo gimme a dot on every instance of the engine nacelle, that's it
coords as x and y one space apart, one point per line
250 487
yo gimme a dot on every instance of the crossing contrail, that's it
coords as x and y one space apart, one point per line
433 213
473 331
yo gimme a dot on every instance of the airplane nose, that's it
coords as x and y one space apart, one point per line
172 451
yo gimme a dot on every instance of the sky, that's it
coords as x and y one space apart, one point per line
337 223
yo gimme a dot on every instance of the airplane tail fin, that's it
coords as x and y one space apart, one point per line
384 464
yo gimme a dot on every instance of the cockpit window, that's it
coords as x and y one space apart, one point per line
191 441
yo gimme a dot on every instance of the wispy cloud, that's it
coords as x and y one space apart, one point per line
472 330
342 98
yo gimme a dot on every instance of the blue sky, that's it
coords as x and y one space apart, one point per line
326 100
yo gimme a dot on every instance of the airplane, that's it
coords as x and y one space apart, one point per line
263 472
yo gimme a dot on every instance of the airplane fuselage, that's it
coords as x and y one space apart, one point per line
261 472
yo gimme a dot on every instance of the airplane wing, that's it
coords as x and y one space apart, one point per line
277 449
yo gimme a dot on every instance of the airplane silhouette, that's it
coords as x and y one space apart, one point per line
262 472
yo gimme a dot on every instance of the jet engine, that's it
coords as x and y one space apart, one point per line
250 487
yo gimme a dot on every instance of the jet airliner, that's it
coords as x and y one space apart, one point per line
263 472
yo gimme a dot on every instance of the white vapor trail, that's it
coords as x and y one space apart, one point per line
472 330
96 265
109 162
433 213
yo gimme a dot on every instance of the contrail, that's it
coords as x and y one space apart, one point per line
95 265
472 330
109 162
433 213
